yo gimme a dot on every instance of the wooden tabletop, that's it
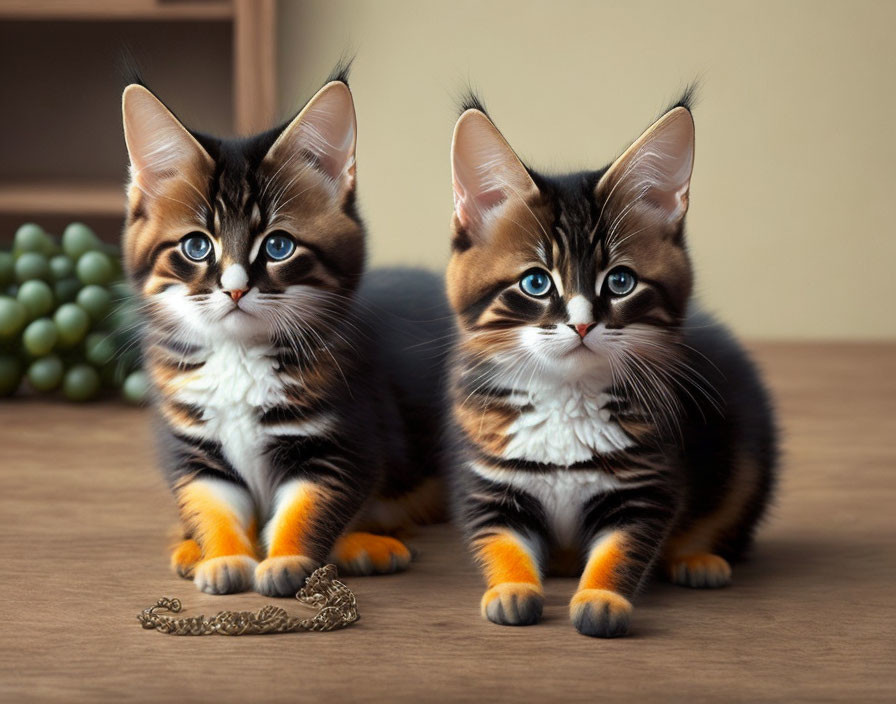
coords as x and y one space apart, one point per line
85 521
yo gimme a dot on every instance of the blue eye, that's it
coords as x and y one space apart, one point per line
536 283
196 246
279 247
621 281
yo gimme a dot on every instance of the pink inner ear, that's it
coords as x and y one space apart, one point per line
470 210
673 202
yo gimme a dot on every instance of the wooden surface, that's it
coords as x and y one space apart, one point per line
84 518
109 10
60 197
254 65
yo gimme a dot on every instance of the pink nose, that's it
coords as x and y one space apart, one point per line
583 329
237 293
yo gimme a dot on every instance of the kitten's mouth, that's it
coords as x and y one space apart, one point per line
236 309
578 349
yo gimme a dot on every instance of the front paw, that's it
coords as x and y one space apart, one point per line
283 576
224 575
513 604
600 613
366 553
700 571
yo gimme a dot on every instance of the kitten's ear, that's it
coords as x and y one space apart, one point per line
485 171
656 169
159 146
324 133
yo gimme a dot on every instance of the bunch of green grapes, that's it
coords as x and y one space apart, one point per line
67 320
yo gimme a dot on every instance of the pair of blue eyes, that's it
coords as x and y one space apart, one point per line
198 247
620 281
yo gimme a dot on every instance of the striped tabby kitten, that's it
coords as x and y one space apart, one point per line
603 425
286 432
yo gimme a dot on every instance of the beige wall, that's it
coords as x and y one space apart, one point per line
791 221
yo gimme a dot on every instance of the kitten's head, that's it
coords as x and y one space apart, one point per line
249 239
565 274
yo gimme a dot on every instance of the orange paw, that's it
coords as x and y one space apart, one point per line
701 570
185 556
283 575
513 604
366 553
600 613
225 575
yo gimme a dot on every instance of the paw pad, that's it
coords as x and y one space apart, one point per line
283 576
224 575
600 613
366 553
184 558
513 604
700 571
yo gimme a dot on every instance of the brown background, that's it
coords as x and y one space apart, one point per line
791 221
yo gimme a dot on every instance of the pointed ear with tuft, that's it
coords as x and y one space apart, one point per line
656 169
324 134
159 146
485 172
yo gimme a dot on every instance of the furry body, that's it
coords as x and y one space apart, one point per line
602 425
286 425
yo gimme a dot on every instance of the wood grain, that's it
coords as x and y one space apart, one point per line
109 10
254 65
84 518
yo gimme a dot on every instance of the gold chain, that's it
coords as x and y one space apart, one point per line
334 601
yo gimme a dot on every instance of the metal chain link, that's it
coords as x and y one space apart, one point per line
335 602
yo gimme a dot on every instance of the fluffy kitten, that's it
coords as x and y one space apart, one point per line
603 425
289 419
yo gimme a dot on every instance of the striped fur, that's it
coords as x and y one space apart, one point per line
602 425
284 420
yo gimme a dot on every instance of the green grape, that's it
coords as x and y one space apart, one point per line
72 322
77 239
61 267
30 238
45 374
37 297
10 374
40 337
136 387
31 265
100 348
81 383
7 269
66 290
95 300
12 316
94 268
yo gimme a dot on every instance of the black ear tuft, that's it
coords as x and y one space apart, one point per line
129 69
470 100
687 99
341 70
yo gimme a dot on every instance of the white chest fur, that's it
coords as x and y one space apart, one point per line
233 387
562 494
563 424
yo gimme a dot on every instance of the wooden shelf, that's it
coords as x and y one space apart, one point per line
112 10
62 198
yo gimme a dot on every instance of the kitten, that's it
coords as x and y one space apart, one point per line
291 422
603 425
